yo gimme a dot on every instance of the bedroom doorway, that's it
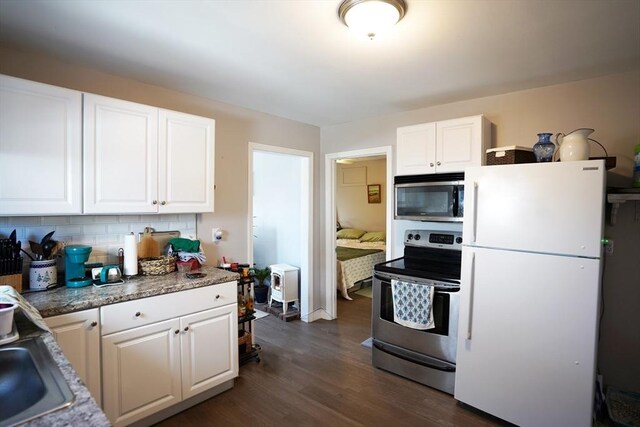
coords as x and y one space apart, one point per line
281 213
346 179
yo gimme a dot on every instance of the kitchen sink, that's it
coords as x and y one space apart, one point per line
31 383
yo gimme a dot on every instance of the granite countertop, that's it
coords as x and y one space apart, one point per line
66 300
84 410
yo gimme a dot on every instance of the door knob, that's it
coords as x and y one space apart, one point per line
186 328
94 324
438 163
155 202
138 314
163 203
431 165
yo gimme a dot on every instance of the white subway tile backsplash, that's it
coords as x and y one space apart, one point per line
68 230
82 219
94 229
105 219
25 220
118 228
105 234
55 220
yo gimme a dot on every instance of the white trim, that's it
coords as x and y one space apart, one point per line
306 271
331 296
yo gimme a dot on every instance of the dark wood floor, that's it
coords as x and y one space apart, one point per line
318 374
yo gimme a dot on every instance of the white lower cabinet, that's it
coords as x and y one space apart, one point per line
159 352
78 335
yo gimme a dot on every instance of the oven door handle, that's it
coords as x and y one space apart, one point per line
455 201
471 285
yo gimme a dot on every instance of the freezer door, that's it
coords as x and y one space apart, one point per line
527 336
553 208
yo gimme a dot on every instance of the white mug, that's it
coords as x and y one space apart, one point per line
6 317
43 274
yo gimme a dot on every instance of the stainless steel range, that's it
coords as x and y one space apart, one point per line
426 356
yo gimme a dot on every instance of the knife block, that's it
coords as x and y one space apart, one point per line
14 280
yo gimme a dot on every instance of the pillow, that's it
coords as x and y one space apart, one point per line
373 236
350 233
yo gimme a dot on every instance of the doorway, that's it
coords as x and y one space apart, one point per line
281 213
331 165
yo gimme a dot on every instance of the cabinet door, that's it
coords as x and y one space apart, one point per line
459 143
78 335
186 163
141 371
120 156
40 148
527 336
416 149
209 349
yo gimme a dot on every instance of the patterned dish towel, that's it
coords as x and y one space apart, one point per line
412 304
8 294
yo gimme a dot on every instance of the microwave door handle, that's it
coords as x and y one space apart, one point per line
455 201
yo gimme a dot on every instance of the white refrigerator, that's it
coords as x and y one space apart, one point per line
530 291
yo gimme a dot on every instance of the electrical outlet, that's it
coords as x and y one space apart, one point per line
216 235
608 248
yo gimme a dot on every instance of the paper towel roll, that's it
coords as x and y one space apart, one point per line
130 255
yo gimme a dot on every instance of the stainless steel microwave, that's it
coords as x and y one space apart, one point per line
434 197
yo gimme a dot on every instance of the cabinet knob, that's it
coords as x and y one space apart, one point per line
438 163
138 314
163 203
186 328
177 331
155 202
94 324
217 296
431 165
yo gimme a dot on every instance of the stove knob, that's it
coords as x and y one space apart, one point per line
417 237
458 240
409 236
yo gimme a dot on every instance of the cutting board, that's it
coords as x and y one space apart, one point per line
162 238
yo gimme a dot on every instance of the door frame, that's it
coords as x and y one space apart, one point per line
306 271
330 290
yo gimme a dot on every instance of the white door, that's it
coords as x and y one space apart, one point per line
532 323
458 144
416 149
186 163
120 156
40 149
141 371
538 207
209 349
78 335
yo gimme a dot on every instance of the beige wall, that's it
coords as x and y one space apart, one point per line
235 128
611 106
354 209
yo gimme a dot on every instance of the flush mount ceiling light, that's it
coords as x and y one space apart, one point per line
371 17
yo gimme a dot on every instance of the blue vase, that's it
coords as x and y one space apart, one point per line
544 148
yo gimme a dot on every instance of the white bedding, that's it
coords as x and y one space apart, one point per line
356 269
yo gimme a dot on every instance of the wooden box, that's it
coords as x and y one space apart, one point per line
510 155
14 280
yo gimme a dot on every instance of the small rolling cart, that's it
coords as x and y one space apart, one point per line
247 350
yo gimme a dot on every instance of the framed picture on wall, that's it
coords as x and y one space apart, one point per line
373 193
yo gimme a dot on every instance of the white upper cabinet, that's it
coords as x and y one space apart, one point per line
40 148
120 156
140 159
186 167
440 147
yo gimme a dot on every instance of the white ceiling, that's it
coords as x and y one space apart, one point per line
293 58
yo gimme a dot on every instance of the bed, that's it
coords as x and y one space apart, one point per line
355 257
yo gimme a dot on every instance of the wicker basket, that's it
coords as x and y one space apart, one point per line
244 342
157 266
510 155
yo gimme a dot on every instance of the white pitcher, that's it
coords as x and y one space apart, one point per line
574 146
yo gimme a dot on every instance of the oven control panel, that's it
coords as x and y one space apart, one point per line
433 239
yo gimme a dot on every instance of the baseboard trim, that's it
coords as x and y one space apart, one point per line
316 315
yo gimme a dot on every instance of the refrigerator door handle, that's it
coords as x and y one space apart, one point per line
474 203
471 285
